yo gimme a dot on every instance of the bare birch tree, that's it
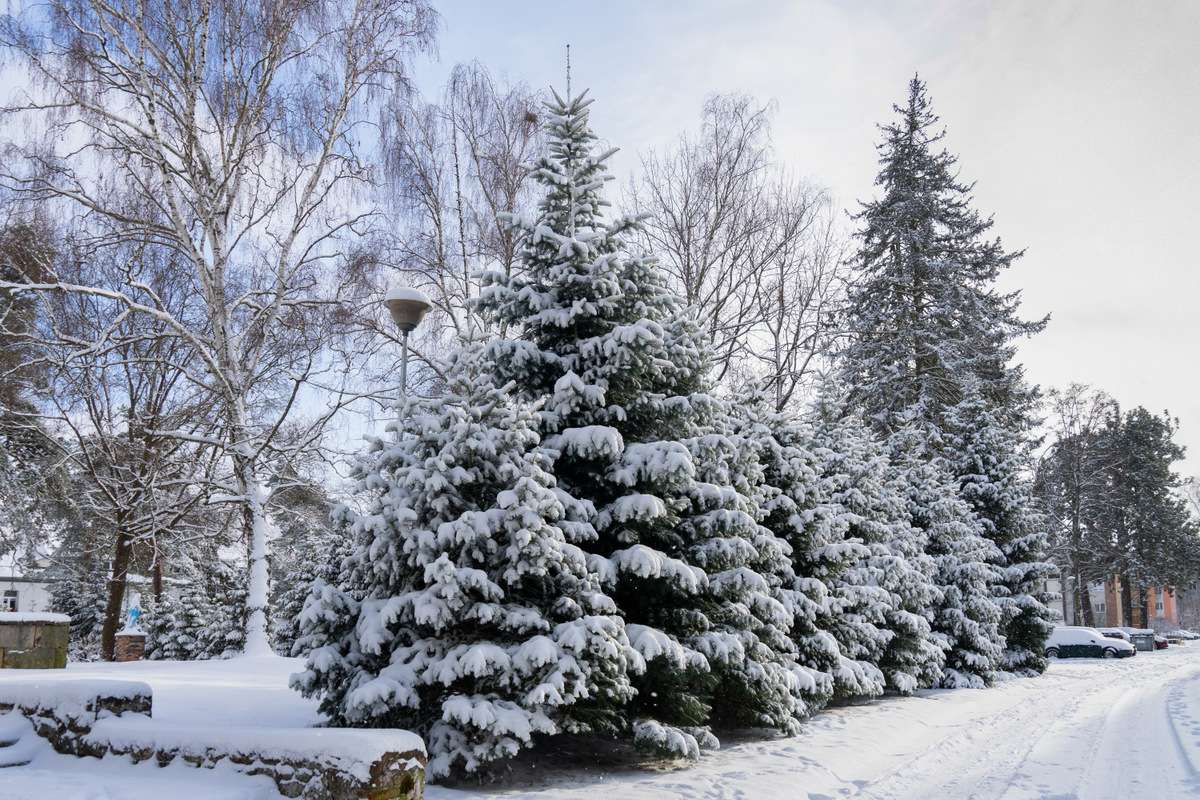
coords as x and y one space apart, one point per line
452 169
755 251
235 126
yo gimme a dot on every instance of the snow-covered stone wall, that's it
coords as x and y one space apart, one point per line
105 718
313 763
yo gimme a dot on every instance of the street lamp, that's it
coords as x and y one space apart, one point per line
407 307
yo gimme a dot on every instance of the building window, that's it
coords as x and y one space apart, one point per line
1158 606
9 602
1100 608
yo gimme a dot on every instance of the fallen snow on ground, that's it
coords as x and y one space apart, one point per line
238 692
1090 730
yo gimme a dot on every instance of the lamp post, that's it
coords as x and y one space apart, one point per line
407 307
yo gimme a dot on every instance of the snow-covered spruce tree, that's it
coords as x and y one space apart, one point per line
990 464
321 561
927 323
617 363
967 617
753 602
81 596
882 602
468 613
224 632
175 624
793 508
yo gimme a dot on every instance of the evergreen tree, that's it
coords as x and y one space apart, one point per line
224 633
924 313
616 362
81 595
175 624
882 601
753 601
966 618
467 613
929 330
321 561
1150 536
990 464
792 506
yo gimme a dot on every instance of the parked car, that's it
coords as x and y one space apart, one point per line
1160 642
1071 641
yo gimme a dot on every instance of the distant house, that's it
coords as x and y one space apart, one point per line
19 591
1161 610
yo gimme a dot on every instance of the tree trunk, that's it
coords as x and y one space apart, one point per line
1083 593
1126 602
256 524
158 577
116 595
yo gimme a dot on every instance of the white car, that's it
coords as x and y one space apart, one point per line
1115 633
1070 641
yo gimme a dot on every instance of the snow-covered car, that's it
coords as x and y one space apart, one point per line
1160 642
1070 641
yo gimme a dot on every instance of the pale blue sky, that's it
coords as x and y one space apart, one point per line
1080 121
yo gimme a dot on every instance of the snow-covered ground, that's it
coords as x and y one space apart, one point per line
1087 729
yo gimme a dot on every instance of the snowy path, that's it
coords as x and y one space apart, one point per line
1087 730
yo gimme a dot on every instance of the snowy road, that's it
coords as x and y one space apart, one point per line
1087 730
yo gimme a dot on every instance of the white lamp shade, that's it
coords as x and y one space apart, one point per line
407 307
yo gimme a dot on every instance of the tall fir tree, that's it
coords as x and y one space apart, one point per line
924 313
1150 536
617 363
927 326
467 612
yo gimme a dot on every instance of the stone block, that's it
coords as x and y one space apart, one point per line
33 641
